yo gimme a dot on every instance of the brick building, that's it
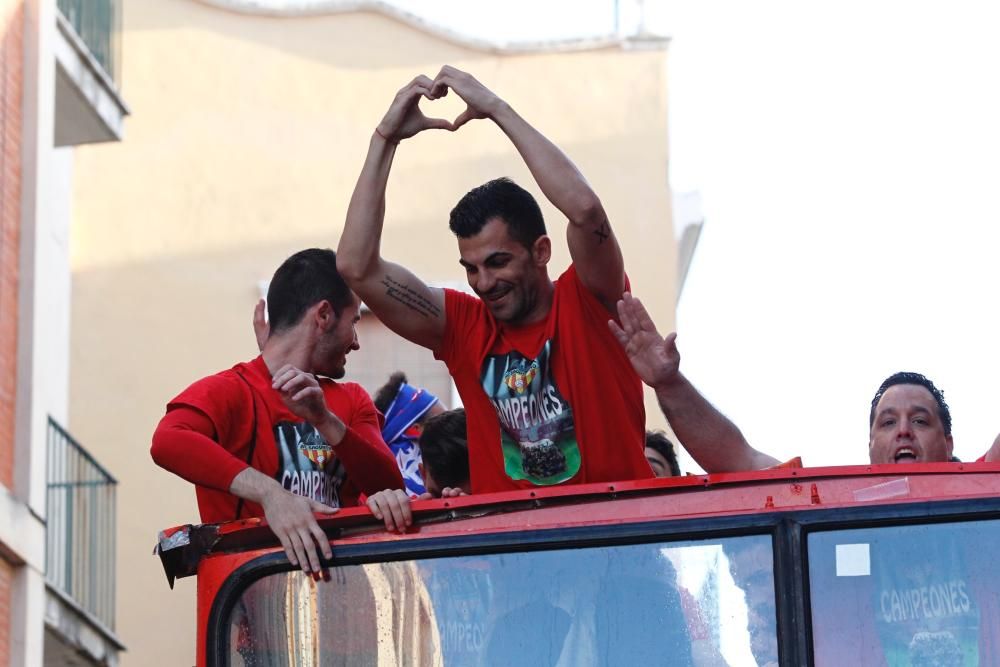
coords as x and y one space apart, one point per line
57 90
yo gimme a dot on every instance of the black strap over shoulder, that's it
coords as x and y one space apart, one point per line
253 435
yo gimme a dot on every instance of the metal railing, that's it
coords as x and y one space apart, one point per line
98 23
80 526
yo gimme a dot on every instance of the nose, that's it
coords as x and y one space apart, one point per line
904 429
485 282
355 345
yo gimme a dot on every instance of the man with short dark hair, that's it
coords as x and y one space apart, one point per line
551 399
909 419
445 469
270 437
661 455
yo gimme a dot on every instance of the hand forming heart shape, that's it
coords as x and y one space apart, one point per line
404 118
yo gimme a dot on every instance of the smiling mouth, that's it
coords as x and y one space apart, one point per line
905 455
496 296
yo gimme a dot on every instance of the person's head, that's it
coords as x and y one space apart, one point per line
308 298
445 452
387 393
909 422
660 455
503 247
751 564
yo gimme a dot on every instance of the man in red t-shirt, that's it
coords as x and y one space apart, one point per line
550 397
272 438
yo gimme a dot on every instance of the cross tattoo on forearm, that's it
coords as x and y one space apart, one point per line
602 233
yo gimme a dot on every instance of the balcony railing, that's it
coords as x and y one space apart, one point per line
98 23
80 526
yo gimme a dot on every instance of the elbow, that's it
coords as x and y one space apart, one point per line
588 210
158 450
351 269
163 449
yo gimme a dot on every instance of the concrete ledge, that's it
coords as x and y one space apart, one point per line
88 106
74 637
22 532
292 8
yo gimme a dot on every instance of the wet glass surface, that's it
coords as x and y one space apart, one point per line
921 596
691 603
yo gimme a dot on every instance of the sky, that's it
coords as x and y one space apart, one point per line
847 157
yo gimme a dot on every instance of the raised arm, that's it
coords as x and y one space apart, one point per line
397 297
592 243
711 439
994 452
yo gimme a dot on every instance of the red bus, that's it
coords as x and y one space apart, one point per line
862 565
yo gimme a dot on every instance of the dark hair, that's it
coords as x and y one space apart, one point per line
905 377
500 198
444 448
303 280
658 440
387 393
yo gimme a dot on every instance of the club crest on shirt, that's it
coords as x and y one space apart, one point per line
537 435
317 454
307 465
518 379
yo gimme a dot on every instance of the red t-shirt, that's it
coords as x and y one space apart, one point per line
566 395
221 410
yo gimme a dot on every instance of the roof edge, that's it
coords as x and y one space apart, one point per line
308 8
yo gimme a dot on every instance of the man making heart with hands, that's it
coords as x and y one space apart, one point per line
551 397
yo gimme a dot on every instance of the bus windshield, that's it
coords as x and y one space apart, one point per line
705 602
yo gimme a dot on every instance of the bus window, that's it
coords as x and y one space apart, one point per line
906 595
704 604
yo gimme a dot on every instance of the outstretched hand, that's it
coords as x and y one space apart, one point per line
404 117
655 359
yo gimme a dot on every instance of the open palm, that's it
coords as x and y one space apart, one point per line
654 358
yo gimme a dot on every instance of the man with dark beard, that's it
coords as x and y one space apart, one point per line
269 437
551 398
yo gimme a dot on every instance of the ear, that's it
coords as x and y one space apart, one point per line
951 446
541 250
324 316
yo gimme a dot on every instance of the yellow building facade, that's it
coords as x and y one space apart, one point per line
247 134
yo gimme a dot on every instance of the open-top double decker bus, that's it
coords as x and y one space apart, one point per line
849 566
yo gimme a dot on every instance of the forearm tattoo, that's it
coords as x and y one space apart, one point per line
603 233
410 298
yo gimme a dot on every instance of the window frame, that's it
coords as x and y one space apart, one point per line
788 529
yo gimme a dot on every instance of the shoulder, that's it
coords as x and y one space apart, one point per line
457 300
225 390
570 291
467 320
347 396
351 391
212 388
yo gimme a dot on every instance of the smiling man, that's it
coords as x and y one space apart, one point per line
550 397
271 437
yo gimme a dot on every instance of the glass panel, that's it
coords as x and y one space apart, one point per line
906 595
702 604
